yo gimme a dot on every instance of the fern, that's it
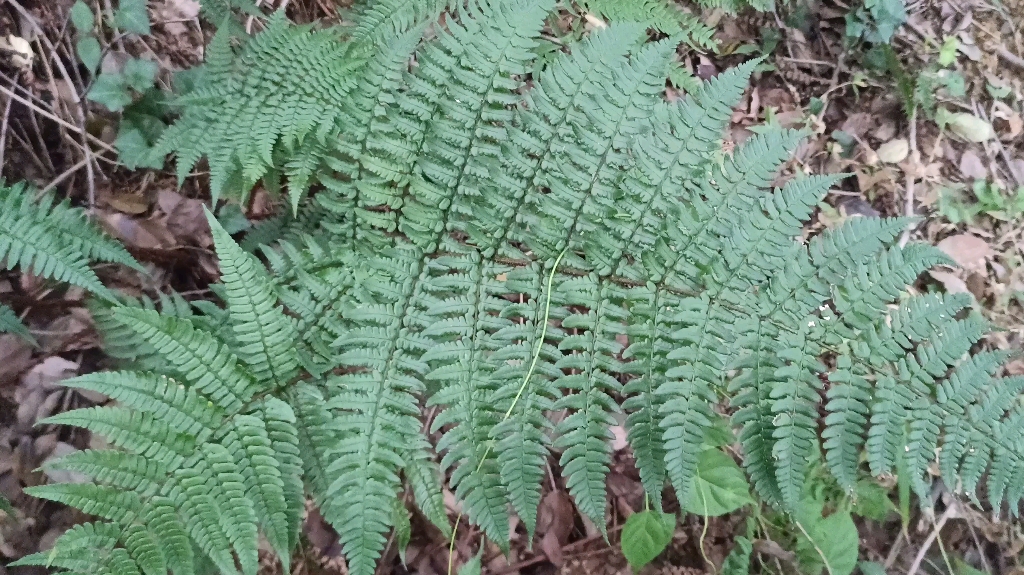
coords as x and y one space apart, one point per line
482 239
661 15
243 115
54 241
206 455
11 323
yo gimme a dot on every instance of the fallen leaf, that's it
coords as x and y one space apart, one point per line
619 442
185 218
49 373
63 475
139 233
950 281
133 204
893 151
19 49
1017 170
969 251
885 131
971 127
971 166
15 357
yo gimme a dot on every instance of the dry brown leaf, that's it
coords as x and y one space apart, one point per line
48 374
185 218
971 166
950 281
969 251
619 441
128 203
145 234
893 151
15 357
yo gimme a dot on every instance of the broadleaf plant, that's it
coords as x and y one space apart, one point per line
491 242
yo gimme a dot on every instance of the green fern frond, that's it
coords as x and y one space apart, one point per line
243 115
264 336
53 241
119 342
197 356
107 502
11 323
379 22
735 6
661 15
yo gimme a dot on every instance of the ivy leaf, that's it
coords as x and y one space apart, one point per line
720 486
134 151
947 54
871 568
6 507
89 52
139 74
738 560
645 536
82 18
872 501
110 90
131 16
826 543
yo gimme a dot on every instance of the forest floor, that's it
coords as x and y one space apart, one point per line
968 191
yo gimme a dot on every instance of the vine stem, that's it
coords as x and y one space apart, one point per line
814 543
519 394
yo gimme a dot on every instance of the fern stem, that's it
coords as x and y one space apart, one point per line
519 394
540 340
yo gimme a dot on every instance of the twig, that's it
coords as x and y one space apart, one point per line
82 111
894 552
3 130
67 173
1010 57
908 208
981 550
931 539
999 145
41 111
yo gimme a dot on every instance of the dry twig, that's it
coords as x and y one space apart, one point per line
915 159
931 539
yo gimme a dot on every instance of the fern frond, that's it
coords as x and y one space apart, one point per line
181 408
661 15
244 114
140 432
265 337
458 110
122 470
364 157
53 242
106 502
197 356
11 323
120 343
379 22
80 549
